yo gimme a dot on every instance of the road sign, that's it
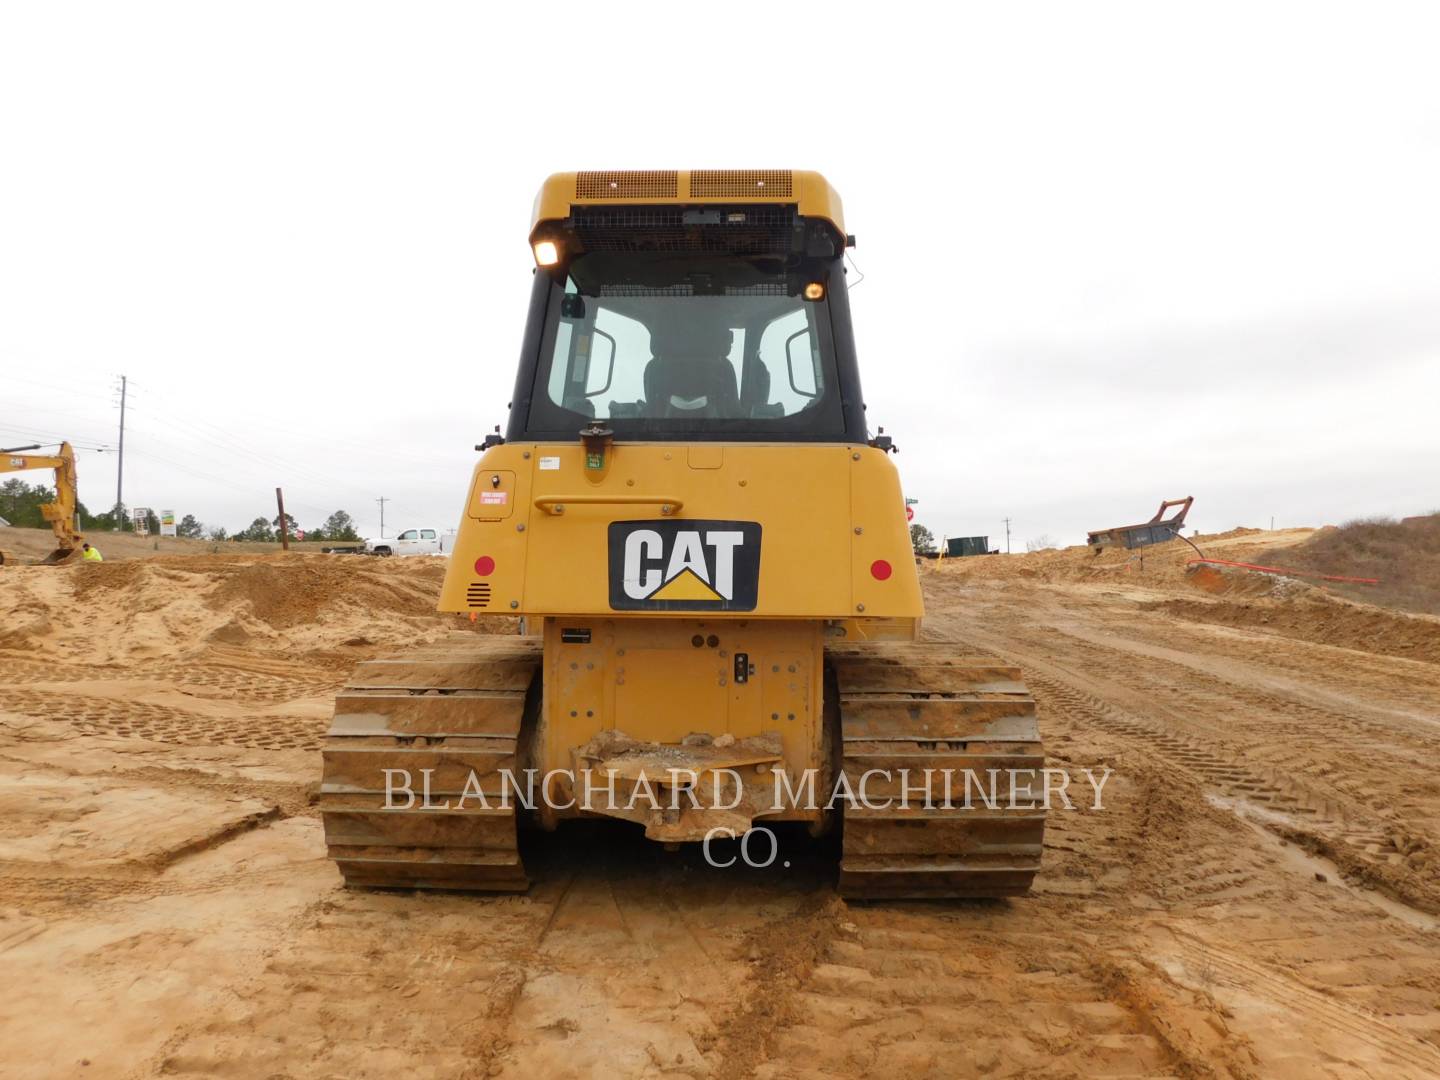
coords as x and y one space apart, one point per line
909 513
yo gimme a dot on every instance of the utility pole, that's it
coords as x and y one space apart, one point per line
120 468
284 529
382 501
1007 536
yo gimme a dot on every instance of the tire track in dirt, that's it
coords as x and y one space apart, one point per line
1341 812
139 719
1361 844
985 987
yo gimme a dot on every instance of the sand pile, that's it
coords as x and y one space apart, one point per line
1236 582
1297 609
180 605
1156 566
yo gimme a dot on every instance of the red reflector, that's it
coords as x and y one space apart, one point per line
484 566
880 570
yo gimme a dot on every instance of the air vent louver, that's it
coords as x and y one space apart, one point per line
741 184
658 184
741 230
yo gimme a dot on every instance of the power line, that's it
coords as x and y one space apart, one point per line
48 437
388 453
68 391
234 444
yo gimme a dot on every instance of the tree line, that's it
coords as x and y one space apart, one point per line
20 506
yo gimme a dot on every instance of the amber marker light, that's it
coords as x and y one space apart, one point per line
546 253
815 291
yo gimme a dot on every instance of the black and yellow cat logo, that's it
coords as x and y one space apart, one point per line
673 565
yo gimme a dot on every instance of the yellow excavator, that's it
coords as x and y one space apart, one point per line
60 513
721 605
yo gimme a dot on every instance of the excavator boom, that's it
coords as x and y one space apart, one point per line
61 512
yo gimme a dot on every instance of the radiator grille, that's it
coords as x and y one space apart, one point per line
741 183
646 290
478 594
657 184
762 230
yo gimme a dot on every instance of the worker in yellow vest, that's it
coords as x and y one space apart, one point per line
91 554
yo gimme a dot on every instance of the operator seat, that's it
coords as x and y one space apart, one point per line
690 376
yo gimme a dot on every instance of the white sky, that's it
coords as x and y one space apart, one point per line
1112 253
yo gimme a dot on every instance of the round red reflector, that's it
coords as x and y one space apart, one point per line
484 566
880 570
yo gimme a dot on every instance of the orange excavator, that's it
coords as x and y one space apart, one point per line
60 513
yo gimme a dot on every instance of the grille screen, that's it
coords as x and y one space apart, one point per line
761 230
478 594
627 185
757 290
740 183
646 290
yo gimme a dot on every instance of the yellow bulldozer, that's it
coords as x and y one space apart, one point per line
709 551
61 512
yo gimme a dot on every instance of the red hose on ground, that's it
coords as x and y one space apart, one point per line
1289 573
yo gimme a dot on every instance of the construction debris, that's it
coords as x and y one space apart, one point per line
1158 530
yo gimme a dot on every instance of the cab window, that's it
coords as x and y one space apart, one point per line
653 345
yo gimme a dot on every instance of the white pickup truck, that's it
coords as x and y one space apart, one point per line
409 542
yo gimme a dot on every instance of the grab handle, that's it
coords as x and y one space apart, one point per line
555 504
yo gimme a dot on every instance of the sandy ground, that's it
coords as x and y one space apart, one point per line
1259 896
32 545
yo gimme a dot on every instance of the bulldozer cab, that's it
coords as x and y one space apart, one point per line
723 336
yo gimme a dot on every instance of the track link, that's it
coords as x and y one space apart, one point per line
457 708
918 706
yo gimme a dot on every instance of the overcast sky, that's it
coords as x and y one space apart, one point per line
1111 253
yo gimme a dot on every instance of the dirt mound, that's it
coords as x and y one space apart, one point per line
1237 582
1404 555
1298 610
296 590
32 545
1158 566
180 605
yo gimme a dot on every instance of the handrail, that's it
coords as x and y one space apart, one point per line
555 504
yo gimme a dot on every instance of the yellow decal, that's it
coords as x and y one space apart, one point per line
686 586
